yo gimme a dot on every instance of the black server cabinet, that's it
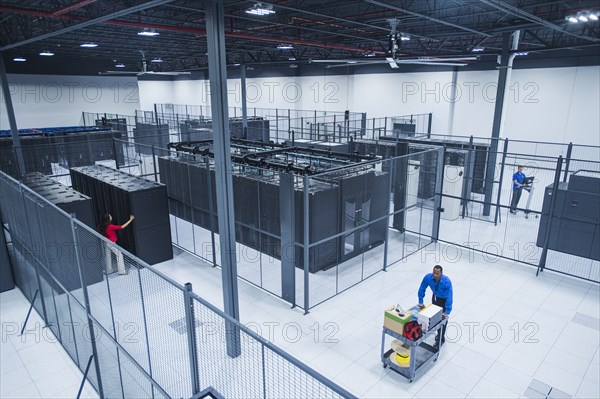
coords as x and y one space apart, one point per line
150 135
575 225
398 168
6 278
121 194
364 198
323 221
61 260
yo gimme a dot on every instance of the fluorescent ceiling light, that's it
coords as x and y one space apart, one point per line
477 49
260 9
47 53
522 53
156 60
236 64
593 17
88 45
19 59
119 65
352 62
572 19
292 59
293 66
404 38
148 32
285 47
583 18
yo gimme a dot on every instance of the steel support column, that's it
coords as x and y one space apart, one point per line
10 112
287 225
506 62
215 36
244 105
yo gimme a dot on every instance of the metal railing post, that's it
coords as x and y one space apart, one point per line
88 310
190 323
543 257
500 182
568 161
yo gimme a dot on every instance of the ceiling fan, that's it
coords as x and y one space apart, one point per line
144 70
394 60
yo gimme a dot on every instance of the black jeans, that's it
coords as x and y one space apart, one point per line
515 198
441 302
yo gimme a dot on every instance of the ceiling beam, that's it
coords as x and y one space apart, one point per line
72 7
509 9
416 14
104 18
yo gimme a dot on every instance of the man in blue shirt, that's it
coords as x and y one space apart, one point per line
441 286
517 180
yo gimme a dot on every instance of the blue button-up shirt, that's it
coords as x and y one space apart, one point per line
520 177
441 289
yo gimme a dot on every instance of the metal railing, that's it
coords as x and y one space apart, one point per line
150 336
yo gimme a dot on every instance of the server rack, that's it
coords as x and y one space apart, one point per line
256 203
479 156
575 228
6 279
61 260
398 169
121 194
150 135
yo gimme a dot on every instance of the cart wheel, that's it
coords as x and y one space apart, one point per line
410 380
384 366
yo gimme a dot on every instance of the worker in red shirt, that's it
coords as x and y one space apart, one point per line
109 230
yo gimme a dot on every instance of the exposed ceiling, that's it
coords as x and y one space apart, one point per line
317 29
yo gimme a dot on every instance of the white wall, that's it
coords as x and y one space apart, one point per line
52 100
554 104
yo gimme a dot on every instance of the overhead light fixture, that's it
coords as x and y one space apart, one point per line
148 32
285 47
237 64
583 16
47 53
249 68
352 62
404 37
260 9
477 49
119 65
522 53
292 59
371 54
157 60
293 66
19 59
88 45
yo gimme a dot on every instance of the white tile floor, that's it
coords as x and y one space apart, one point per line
34 365
521 328
521 331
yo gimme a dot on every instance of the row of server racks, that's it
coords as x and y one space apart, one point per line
336 205
121 195
60 257
66 146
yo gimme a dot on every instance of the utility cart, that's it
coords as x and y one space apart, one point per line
422 354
